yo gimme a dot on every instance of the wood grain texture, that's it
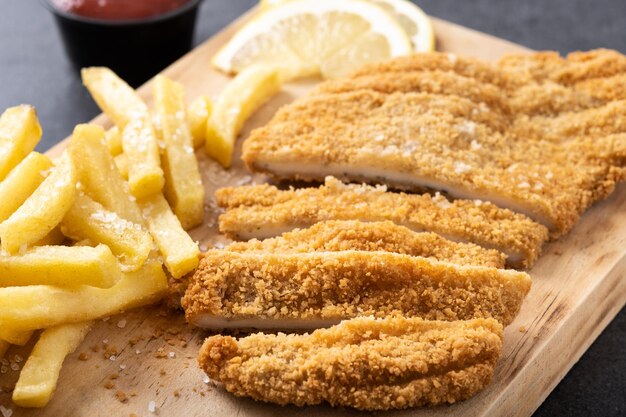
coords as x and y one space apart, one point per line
578 287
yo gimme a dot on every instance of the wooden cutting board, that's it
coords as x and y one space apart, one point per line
147 355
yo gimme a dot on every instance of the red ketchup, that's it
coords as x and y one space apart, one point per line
119 9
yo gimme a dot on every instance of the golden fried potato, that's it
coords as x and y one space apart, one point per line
64 266
4 346
139 141
122 104
98 174
129 241
40 373
113 139
19 134
198 115
15 337
183 184
121 162
21 182
42 306
43 210
242 96
113 95
180 252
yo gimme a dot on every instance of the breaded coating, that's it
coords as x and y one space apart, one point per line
318 289
365 363
342 235
538 134
262 211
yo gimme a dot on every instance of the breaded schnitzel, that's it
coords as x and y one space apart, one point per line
535 133
365 363
262 211
342 235
319 289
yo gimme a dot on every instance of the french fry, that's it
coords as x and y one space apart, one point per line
97 172
121 162
64 266
88 219
198 114
19 134
180 252
242 96
183 184
4 346
42 306
15 337
117 99
55 237
38 378
114 140
43 210
120 102
139 141
21 182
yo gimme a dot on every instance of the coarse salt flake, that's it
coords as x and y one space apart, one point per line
152 406
461 167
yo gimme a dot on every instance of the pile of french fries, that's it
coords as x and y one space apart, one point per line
96 231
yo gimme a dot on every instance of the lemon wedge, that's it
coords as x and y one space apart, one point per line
242 96
310 37
413 20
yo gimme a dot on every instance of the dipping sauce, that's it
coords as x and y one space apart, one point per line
118 9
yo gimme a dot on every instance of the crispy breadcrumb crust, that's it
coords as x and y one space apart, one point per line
258 210
537 133
365 363
331 286
342 235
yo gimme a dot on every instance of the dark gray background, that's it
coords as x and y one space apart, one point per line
34 70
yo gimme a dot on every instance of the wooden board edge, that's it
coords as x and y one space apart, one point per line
549 364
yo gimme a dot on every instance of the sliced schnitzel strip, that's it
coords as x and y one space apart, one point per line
263 211
342 235
318 289
529 140
365 363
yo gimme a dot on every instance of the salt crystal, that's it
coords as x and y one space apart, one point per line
122 367
461 167
152 406
105 341
105 319
474 145
137 352
523 184
468 127
6 412
121 324
112 357
549 175
172 354
205 379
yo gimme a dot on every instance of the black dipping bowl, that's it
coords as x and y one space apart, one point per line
135 49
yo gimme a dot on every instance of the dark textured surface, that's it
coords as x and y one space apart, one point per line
34 70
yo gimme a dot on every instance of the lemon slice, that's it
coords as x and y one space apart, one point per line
309 37
413 20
